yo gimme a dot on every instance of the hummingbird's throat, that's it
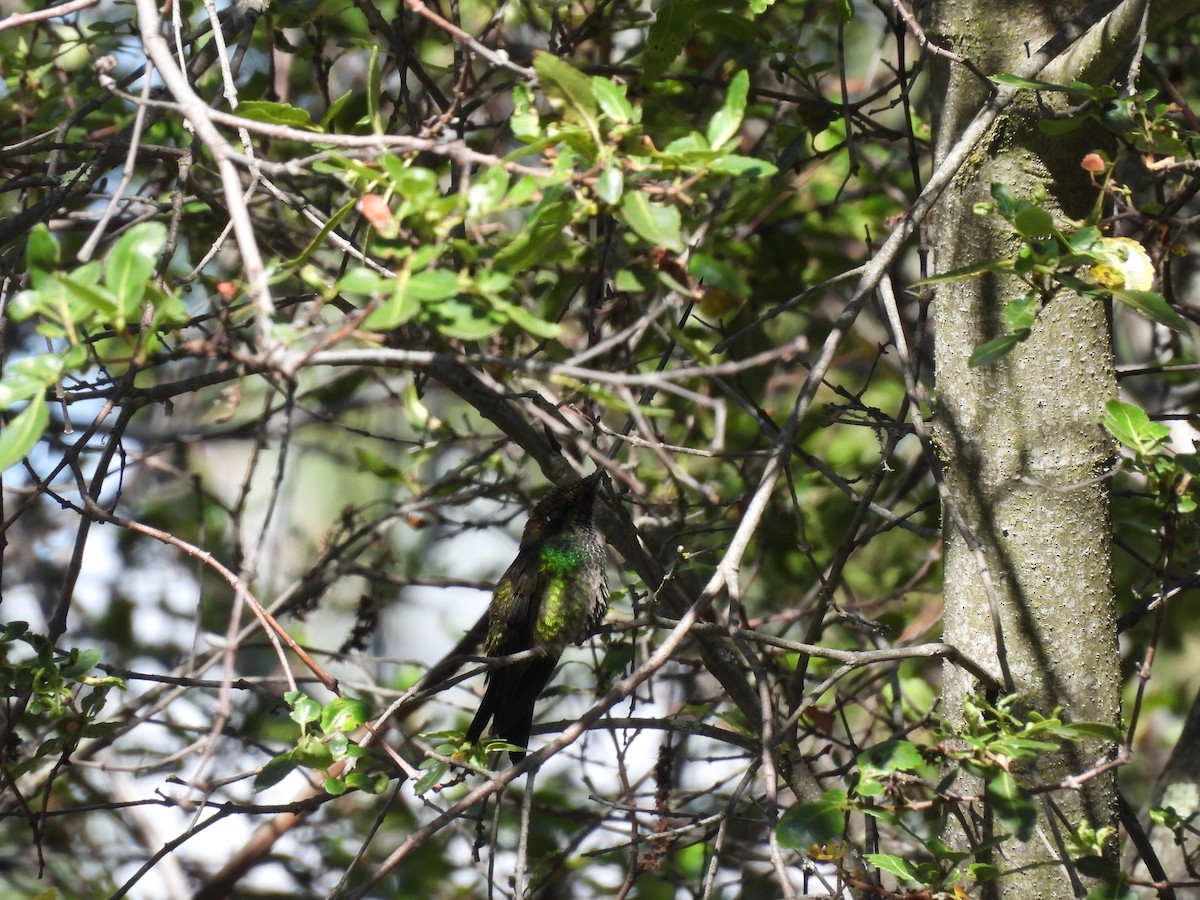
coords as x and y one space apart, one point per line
561 560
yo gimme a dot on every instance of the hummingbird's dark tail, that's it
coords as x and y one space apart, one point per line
508 702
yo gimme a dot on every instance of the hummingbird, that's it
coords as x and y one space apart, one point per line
554 593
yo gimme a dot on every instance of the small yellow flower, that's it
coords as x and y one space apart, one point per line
1126 264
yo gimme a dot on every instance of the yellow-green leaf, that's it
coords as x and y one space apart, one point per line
727 120
654 222
806 824
22 432
271 113
612 100
568 90
1154 306
130 267
669 31
996 348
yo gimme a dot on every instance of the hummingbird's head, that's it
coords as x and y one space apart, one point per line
565 508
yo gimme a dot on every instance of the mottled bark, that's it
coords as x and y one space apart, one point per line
1020 439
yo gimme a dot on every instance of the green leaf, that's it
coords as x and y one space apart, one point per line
883 760
169 310
716 273
1131 426
1081 240
524 120
996 348
610 185
1078 731
341 747
670 30
1006 203
612 100
13 631
414 183
275 771
273 113
457 319
1033 222
995 266
890 756
617 659
397 309
487 191
1121 115
1019 315
344 714
374 91
536 240
84 294
1018 747
653 222
806 824
22 432
1058 127
335 787
1026 83
690 145
130 267
568 90
365 781
873 787
29 377
434 770
1154 306
319 240
526 191
369 462
42 251
727 120
361 281
493 282
894 864
527 321
304 708
433 285
80 662
333 113
1012 804
628 281
312 753
731 164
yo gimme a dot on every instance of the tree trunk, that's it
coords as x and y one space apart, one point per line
1020 439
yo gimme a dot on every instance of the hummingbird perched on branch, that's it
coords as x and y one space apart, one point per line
554 593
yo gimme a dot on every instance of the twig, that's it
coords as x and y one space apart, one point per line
200 116
17 19
495 57
271 627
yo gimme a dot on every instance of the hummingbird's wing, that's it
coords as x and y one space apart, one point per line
515 606
512 690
